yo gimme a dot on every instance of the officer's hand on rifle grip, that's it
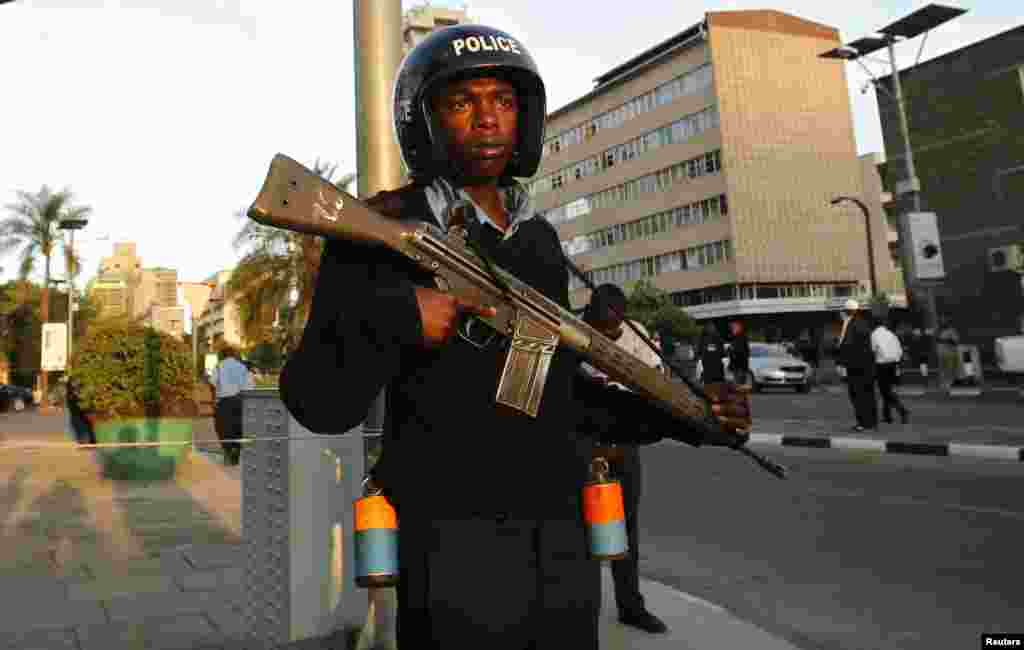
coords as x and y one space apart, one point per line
731 405
440 313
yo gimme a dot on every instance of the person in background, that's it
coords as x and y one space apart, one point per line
739 354
229 379
888 356
711 352
947 341
858 360
604 313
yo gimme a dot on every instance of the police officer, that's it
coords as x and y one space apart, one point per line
492 545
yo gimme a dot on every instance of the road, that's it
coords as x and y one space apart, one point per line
856 550
997 418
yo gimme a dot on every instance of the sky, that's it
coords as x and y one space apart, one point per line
163 115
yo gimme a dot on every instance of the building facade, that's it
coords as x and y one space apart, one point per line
965 113
219 322
418 22
706 166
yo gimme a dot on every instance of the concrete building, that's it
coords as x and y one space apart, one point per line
112 295
706 164
965 111
418 22
219 322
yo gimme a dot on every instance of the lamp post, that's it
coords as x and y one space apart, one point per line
871 247
72 224
910 26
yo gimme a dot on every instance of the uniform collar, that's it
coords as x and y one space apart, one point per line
441 193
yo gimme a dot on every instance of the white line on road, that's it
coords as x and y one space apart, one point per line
983 451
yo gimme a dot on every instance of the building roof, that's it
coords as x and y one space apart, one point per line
765 19
633 66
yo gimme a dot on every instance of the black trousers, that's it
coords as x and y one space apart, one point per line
497 585
227 422
626 571
887 381
861 385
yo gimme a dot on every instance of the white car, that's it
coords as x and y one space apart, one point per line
1010 353
772 365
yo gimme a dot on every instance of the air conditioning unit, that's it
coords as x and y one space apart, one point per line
1006 258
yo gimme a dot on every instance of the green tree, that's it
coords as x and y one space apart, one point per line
33 227
273 282
655 310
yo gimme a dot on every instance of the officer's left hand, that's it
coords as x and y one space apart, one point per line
731 405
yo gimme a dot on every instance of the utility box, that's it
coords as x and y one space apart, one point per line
297 516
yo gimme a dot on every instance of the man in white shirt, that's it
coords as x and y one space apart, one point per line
888 355
229 379
624 460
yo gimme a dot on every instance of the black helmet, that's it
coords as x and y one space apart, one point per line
458 51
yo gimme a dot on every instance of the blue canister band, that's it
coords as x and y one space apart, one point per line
608 538
376 552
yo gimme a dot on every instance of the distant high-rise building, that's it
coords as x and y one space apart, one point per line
706 164
420 21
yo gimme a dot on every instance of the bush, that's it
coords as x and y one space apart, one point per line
123 369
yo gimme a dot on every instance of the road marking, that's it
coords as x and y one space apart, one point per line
861 444
983 451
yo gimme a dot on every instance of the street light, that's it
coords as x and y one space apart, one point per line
871 248
910 26
72 224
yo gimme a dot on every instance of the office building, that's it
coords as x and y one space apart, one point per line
418 22
965 111
706 165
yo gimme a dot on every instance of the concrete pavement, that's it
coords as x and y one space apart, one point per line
88 564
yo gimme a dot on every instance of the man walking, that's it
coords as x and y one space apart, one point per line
230 378
856 356
604 313
888 357
739 354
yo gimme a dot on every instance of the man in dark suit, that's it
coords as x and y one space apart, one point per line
857 358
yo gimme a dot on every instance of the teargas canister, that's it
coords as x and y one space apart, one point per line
604 514
376 539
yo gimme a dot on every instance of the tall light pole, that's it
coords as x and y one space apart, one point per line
919 22
871 242
378 53
72 224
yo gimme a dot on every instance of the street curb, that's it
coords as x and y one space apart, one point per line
970 450
934 392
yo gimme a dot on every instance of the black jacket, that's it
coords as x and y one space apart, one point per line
855 353
711 352
739 353
449 449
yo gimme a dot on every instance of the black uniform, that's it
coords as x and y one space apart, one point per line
856 356
492 545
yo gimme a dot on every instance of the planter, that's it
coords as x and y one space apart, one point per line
142 463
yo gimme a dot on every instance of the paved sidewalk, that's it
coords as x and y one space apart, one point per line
91 564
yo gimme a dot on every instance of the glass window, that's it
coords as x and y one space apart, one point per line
723 205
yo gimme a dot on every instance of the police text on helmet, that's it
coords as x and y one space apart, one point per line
486 43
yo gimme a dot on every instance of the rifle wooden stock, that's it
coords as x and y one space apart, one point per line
294 198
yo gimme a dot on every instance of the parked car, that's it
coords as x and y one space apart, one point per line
15 398
773 365
1010 353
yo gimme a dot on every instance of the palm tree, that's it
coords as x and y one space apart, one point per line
273 282
33 227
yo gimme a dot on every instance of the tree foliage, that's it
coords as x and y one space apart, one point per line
273 282
123 369
655 310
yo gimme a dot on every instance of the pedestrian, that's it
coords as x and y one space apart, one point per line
888 357
492 547
858 360
739 354
229 379
946 342
711 352
605 313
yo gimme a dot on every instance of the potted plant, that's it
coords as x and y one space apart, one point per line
135 384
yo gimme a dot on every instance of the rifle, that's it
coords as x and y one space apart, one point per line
295 198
